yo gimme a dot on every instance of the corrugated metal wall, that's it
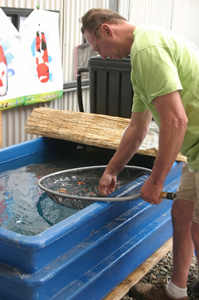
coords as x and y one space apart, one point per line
13 120
156 12
179 15
185 19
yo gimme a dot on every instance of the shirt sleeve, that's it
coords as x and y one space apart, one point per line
138 105
156 71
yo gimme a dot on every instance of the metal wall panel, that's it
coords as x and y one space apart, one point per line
151 12
44 4
13 120
180 16
185 19
72 37
124 8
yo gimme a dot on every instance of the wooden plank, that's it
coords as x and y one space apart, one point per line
1 129
123 288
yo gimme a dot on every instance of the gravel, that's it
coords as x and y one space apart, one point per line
161 273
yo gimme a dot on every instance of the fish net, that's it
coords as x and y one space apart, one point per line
78 188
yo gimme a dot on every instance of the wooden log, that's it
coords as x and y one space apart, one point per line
91 129
123 288
86 128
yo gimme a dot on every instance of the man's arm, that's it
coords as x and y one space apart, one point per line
130 142
173 123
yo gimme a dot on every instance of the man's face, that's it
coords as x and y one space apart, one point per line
105 43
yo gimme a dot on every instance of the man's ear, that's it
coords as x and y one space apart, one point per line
106 28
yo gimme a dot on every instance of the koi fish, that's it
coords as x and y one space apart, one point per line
62 190
42 57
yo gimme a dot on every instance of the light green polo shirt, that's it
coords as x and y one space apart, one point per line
163 62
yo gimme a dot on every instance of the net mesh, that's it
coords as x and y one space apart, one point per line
77 188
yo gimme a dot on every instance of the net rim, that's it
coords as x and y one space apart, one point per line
102 199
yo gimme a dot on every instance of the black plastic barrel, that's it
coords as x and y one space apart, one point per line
111 90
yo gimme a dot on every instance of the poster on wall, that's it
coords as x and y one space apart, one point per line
11 93
42 57
36 72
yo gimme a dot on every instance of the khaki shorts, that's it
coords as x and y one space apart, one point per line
189 189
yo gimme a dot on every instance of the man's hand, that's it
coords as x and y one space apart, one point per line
107 184
150 191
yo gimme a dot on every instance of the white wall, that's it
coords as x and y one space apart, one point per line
156 12
181 16
186 19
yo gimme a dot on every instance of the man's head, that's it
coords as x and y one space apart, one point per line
95 17
105 31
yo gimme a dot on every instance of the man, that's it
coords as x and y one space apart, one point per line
165 79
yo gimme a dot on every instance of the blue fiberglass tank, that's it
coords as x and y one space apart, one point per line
89 252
